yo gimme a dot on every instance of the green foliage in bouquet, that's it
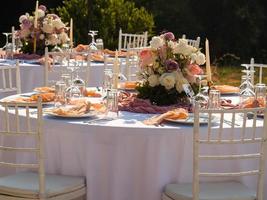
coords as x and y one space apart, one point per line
160 96
107 16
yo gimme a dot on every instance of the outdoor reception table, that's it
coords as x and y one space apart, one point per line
124 159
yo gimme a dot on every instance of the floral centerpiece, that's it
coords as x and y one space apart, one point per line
166 68
50 31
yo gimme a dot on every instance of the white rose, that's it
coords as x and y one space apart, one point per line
42 36
153 80
63 37
172 44
24 33
156 42
40 13
167 80
47 27
188 50
193 57
180 80
200 59
52 40
58 24
180 47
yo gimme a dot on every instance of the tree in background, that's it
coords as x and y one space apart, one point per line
235 27
108 17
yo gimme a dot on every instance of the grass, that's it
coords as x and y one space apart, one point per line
231 75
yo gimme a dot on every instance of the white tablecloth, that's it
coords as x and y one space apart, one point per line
124 159
32 75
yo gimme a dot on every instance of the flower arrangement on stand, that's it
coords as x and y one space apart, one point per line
50 31
166 67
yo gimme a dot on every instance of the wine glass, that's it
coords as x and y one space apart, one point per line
201 97
7 38
92 45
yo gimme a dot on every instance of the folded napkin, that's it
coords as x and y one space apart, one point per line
45 89
46 97
224 89
78 109
175 114
91 93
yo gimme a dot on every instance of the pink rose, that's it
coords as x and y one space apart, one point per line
146 57
194 69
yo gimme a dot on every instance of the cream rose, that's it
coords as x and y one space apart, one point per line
40 13
180 80
52 40
156 42
47 27
167 80
58 24
200 59
63 37
42 37
153 80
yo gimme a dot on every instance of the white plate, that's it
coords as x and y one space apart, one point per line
190 120
89 114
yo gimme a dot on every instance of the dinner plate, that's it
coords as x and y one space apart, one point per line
86 115
203 119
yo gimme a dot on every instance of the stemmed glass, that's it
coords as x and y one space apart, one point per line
201 97
246 85
7 37
92 45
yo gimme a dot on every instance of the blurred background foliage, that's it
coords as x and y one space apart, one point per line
235 29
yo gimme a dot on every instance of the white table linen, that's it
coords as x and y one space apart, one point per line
124 159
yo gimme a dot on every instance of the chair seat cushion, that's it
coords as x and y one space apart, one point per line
229 190
26 184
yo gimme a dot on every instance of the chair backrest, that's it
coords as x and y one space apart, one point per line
194 43
12 127
132 41
230 132
10 82
57 63
252 67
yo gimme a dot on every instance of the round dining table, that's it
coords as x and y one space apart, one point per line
32 74
124 159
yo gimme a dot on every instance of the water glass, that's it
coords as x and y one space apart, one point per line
60 88
72 93
99 44
260 94
107 80
9 51
214 101
112 109
67 79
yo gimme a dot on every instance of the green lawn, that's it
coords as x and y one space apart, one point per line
232 75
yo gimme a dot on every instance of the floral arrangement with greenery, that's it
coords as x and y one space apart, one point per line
166 68
50 31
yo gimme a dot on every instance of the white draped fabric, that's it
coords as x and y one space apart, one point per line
124 159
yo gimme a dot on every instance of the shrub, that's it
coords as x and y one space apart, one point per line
107 16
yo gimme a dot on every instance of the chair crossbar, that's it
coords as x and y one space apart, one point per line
4 148
229 157
234 141
19 165
242 173
10 133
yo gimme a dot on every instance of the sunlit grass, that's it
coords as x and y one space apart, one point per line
231 75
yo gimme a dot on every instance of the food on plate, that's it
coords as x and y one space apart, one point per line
131 85
224 89
99 107
253 103
81 47
46 97
78 109
91 93
45 89
97 57
175 114
120 53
